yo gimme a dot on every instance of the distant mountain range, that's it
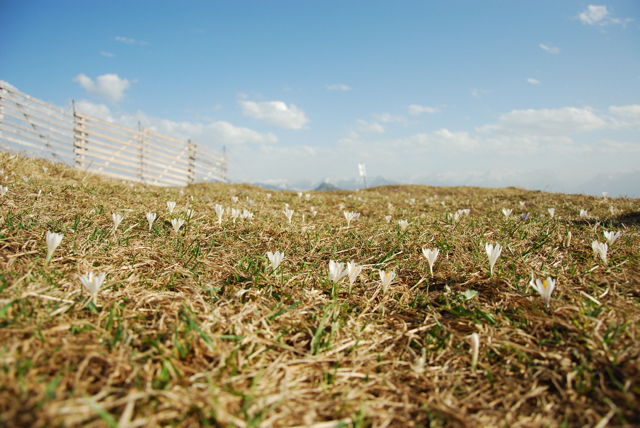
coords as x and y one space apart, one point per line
616 184
327 183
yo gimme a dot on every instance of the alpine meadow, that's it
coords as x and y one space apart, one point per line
123 305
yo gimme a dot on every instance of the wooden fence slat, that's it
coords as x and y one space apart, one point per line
14 92
30 145
31 138
110 133
105 155
42 116
52 136
103 122
212 152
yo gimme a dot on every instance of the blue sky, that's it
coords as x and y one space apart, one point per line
540 94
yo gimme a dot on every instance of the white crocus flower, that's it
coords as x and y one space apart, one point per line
611 237
219 212
353 271
92 283
235 213
234 199
190 213
4 190
299 194
388 218
288 213
611 209
506 212
431 256
336 271
275 259
349 215
387 278
171 206
403 225
544 287
246 214
600 249
53 240
552 211
151 217
117 218
567 240
584 214
307 196
604 195
268 195
493 253
522 204
475 350
177 224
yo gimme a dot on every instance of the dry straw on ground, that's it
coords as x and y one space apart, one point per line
194 328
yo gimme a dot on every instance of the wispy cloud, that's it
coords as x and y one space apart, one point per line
108 86
628 116
416 110
130 41
550 49
390 118
338 87
599 15
533 81
374 127
107 54
477 93
276 113
547 123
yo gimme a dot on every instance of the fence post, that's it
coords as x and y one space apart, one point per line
80 142
191 173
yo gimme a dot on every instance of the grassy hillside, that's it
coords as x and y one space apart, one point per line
194 328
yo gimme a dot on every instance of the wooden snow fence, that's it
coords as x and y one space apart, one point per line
101 147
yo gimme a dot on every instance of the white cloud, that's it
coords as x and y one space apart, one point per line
442 140
215 133
276 113
546 122
364 126
593 15
388 118
107 54
612 147
630 115
533 81
415 109
125 40
478 92
599 15
100 111
108 86
129 41
550 49
338 87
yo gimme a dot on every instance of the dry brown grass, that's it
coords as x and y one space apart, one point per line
194 329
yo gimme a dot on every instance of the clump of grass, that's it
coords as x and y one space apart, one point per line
195 328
